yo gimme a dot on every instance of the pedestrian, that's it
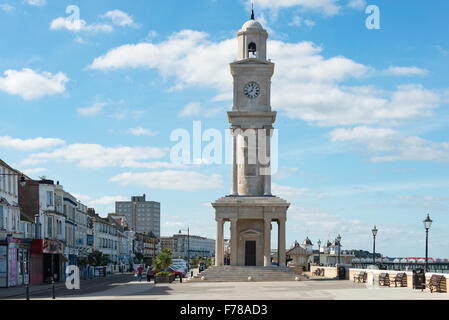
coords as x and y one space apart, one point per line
139 273
149 274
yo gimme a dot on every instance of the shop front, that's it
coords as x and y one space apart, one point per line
14 262
47 261
23 263
53 260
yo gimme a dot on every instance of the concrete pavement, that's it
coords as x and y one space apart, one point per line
302 290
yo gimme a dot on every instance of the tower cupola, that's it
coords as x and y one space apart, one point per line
252 39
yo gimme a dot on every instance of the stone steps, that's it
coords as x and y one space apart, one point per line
239 274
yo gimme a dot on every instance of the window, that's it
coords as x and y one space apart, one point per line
1 217
49 198
50 227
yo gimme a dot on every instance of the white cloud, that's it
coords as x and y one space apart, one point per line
289 192
107 200
6 7
81 197
139 131
188 181
357 4
30 84
151 165
306 85
33 171
297 21
78 25
29 144
443 51
97 156
326 7
187 55
406 71
36 3
192 109
151 35
120 18
195 109
93 110
387 145
285 173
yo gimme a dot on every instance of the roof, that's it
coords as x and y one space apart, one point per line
252 24
336 243
298 250
307 242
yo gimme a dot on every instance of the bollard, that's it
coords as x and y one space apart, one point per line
28 291
53 289
180 278
191 274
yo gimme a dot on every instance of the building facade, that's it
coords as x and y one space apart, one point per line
14 247
140 215
184 246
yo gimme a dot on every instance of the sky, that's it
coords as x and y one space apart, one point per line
92 91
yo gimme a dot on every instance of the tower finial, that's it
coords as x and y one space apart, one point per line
252 10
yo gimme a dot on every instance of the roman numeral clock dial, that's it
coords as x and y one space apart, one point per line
252 90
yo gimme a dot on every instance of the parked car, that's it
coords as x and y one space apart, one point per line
178 273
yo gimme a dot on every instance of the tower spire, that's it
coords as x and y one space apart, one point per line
252 10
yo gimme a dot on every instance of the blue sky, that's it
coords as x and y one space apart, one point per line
363 133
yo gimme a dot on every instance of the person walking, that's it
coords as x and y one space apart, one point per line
149 273
139 273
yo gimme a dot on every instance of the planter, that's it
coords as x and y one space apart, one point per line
165 279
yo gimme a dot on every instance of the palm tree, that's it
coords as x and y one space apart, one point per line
163 260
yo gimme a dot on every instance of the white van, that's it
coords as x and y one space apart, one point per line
180 263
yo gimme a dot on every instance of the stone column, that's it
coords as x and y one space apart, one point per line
267 184
219 250
267 243
281 244
234 179
234 242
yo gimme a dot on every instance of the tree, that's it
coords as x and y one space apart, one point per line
96 258
163 260
139 257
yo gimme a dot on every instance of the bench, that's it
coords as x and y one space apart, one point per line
401 279
435 283
384 280
361 277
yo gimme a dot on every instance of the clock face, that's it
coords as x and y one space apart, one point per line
252 90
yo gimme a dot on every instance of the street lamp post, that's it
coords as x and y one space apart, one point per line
339 247
319 251
427 224
374 244
188 242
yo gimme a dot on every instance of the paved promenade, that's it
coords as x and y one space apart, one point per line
303 290
45 290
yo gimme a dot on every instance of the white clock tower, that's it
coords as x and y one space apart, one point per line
250 207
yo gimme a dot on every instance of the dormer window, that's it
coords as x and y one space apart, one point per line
252 49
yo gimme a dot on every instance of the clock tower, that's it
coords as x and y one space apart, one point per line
251 208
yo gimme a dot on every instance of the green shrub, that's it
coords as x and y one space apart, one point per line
163 274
